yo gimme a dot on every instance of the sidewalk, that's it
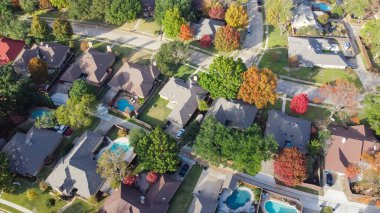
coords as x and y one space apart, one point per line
15 206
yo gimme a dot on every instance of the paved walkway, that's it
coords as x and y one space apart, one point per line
15 206
102 113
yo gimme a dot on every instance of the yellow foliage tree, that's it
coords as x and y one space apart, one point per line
31 194
38 70
236 16
258 87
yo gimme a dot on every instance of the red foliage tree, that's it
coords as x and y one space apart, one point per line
300 104
227 39
290 167
217 11
206 41
152 177
129 180
352 170
186 33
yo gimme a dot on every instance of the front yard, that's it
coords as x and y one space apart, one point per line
155 111
184 72
275 38
148 26
183 197
80 206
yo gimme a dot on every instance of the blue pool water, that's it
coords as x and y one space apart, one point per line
124 103
238 199
272 206
119 145
39 113
322 6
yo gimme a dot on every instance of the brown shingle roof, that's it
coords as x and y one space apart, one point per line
347 146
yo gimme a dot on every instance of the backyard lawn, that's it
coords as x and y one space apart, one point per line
155 112
275 38
79 206
183 197
184 72
277 61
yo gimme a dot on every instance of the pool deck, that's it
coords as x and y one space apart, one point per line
129 155
266 197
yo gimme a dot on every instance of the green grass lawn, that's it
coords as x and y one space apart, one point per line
182 198
184 72
51 13
156 115
148 26
80 206
275 38
311 74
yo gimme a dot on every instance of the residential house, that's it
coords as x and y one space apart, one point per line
183 97
316 52
92 65
53 54
233 113
303 16
9 50
135 79
206 26
346 146
76 172
27 152
288 131
129 199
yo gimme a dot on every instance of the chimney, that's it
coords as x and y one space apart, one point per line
89 44
344 140
195 78
374 147
109 48
47 45
142 199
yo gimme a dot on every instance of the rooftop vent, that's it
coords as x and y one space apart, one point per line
90 44
142 199
344 140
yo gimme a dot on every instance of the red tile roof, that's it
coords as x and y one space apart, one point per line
9 49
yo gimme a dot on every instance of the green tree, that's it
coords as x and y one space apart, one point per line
162 6
337 11
11 26
28 5
135 135
5 174
80 88
370 34
224 77
121 11
39 28
191 132
59 3
158 151
62 30
315 148
372 106
46 121
202 105
324 18
171 56
172 22
99 8
112 166
38 70
358 8
79 9
78 112
278 12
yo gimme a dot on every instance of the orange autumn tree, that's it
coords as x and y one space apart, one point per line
186 33
38 70
290 167
369 184
258 87
352 170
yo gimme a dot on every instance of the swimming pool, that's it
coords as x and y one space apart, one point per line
120 146
38 113
124 103
322 6
272 206
238 198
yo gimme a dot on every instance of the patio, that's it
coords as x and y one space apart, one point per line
125 103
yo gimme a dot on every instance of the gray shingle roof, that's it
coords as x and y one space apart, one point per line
235 112
304 16
310 52
286 128
206 27
27 152
78 168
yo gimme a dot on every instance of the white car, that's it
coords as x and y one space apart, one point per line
180 133
61 129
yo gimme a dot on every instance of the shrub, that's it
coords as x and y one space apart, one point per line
152 177
84 45
93 200
337 11
206 41
129 180
122 133
50 202
227 39
299 103
352 170
293 61
31 194
43 185
275 56
323 19
202 105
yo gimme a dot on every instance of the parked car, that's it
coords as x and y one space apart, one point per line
199 118
329 179
167 124
259 2
180 133
60 128
259 9
184 170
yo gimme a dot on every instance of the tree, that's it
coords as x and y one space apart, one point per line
62 30
352 170
135 135
78 112
129 180
372 106
28 5
370 34
6 177
327 209
152 177
315 148
227 39
99 9
43 185
206 41
31 194
11 26
224 77
47 120
44 4
217 11
121 133
202 105
79 9
39 28
299 104
258 87
112 165
369 183
324 18
186 33
236 16
80 88
50 202
358 8
337 11
344 96
278 12
290 167
162 6
120 11
84 45
59 3
38 70
157 151
172 22
191 132
171 56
